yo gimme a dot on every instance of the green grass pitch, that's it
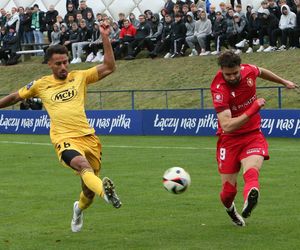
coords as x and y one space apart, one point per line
37 195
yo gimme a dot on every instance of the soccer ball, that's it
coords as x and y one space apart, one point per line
176 180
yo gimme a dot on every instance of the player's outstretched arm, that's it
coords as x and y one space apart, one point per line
10 100
229 124
109 64
270 76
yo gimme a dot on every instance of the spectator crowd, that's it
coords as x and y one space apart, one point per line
198 27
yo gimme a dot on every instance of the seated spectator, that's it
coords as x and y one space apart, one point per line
164 43
269 23
297 28
114 35
169 6
287 24
231 32
74 36
190 38
64 34
127 35
55 39
240 26
78 17
90 20
71 11
273 8
93 48
203 29
133 20
10 45
121 20
212 14
143 31
218 34
177 36
70 21
85 36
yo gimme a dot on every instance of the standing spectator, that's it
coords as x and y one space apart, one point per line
2 17
241 144
84 9
85 36
21 27
50 20
70 11
25 22
15 19
38 25
143 31
75 3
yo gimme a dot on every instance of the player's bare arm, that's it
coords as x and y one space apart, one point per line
10 100
109 64
270 76
229 124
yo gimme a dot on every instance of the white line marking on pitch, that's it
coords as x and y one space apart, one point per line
136 147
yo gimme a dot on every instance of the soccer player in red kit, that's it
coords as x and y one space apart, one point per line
241 143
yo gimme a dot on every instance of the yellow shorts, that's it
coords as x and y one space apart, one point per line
88 146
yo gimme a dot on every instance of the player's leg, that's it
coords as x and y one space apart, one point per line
227 195
254 153
251 167
85 200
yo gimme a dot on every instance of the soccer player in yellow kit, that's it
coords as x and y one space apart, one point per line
63 94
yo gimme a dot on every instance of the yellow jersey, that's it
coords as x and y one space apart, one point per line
64 101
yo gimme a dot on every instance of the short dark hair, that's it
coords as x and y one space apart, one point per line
229 59
56 49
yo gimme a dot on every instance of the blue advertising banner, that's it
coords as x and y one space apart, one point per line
275 123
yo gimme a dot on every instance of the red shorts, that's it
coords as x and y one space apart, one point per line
232 149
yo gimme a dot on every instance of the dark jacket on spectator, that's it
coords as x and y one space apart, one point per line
85 11
169 5
25 22
275 10
11 41
271 23
85 34
64 36
219 27
178 30
74 36
143 31
74 2
166 31
50 19
42 22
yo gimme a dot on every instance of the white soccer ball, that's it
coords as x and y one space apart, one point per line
176 180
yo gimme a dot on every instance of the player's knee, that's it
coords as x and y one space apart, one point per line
75 160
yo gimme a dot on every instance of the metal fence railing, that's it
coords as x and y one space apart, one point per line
198 98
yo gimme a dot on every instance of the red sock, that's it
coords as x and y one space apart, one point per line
251 181
228 194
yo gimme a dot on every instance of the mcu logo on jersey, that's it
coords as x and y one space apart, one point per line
64 96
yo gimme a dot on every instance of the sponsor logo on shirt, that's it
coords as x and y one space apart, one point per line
218 97
65 95
253 150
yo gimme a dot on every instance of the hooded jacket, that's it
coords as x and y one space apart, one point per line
203 27
287 21
190 26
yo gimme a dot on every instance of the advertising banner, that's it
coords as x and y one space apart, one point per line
202 122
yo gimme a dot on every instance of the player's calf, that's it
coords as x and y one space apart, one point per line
250 202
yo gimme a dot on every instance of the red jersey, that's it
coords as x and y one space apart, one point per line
238 99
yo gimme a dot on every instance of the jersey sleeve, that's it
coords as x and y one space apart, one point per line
220 98
91 75
255 70
29 90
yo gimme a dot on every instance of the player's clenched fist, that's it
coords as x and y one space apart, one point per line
255 107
